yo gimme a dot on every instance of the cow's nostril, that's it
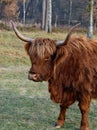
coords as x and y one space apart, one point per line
34 76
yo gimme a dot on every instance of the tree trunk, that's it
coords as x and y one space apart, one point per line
56 20
70 12
24 12
43 14
49 16
90 27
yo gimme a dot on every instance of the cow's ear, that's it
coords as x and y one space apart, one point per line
61 55
59 60
27 46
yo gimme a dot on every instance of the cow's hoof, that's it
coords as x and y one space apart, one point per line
57 126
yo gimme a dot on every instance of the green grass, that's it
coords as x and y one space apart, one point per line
25 105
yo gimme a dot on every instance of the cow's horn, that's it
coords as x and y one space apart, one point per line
19 35
58 43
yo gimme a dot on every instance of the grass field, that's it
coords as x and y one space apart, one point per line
25 105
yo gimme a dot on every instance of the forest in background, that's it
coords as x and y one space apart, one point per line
13 9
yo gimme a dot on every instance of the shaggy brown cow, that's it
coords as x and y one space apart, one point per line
69 66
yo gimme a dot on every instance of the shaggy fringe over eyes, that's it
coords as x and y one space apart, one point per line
42 46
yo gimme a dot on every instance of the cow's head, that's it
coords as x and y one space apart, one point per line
42 53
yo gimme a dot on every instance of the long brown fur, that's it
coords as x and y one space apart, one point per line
69 66
76 65
74 74
41 47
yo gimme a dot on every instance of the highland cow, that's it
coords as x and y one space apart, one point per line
69 66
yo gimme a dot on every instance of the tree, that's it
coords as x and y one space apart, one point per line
10 9
24 11
95 14
90 28
43 14
49 16
70 11
60 11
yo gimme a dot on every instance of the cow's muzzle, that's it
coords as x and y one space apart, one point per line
35 77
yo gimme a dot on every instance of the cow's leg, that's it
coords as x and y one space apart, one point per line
61 118
84 108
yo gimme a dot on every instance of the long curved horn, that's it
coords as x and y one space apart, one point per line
58 43
19 35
